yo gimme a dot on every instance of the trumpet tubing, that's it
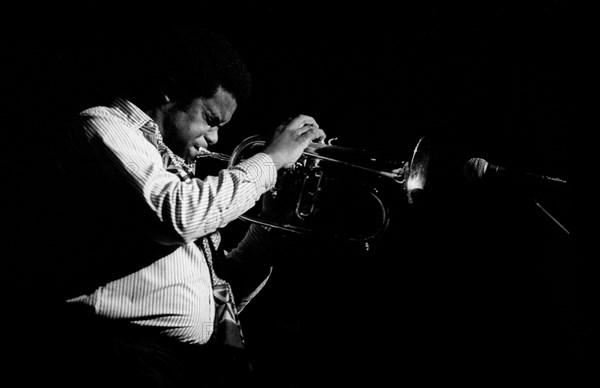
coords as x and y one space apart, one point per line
334 191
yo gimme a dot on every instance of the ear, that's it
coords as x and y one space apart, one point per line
168 87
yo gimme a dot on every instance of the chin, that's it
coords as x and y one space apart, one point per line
190 155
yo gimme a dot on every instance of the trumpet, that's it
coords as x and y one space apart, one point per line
333 191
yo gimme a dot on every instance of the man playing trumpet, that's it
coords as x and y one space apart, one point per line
148 296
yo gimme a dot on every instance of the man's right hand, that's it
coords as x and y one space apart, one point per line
291 138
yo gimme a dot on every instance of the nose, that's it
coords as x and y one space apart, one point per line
212 136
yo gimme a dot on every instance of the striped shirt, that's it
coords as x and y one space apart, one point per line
144 266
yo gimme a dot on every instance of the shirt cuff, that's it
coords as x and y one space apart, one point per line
260 169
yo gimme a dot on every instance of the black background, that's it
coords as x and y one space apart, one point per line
475 284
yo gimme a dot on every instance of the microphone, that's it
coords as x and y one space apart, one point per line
480 169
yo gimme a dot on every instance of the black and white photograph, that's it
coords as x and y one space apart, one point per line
293 194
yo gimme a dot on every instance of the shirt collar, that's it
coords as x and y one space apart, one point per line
139 119
133 114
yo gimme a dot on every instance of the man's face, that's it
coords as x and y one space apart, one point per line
196 125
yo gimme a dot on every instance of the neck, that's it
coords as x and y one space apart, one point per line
175 159
158 116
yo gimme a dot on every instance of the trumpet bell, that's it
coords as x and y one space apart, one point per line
417 170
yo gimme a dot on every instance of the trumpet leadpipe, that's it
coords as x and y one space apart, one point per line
204 153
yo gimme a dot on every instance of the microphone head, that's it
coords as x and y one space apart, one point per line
475 168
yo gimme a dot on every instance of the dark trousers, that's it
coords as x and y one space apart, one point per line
88 351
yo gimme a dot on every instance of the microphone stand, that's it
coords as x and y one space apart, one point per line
551 217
